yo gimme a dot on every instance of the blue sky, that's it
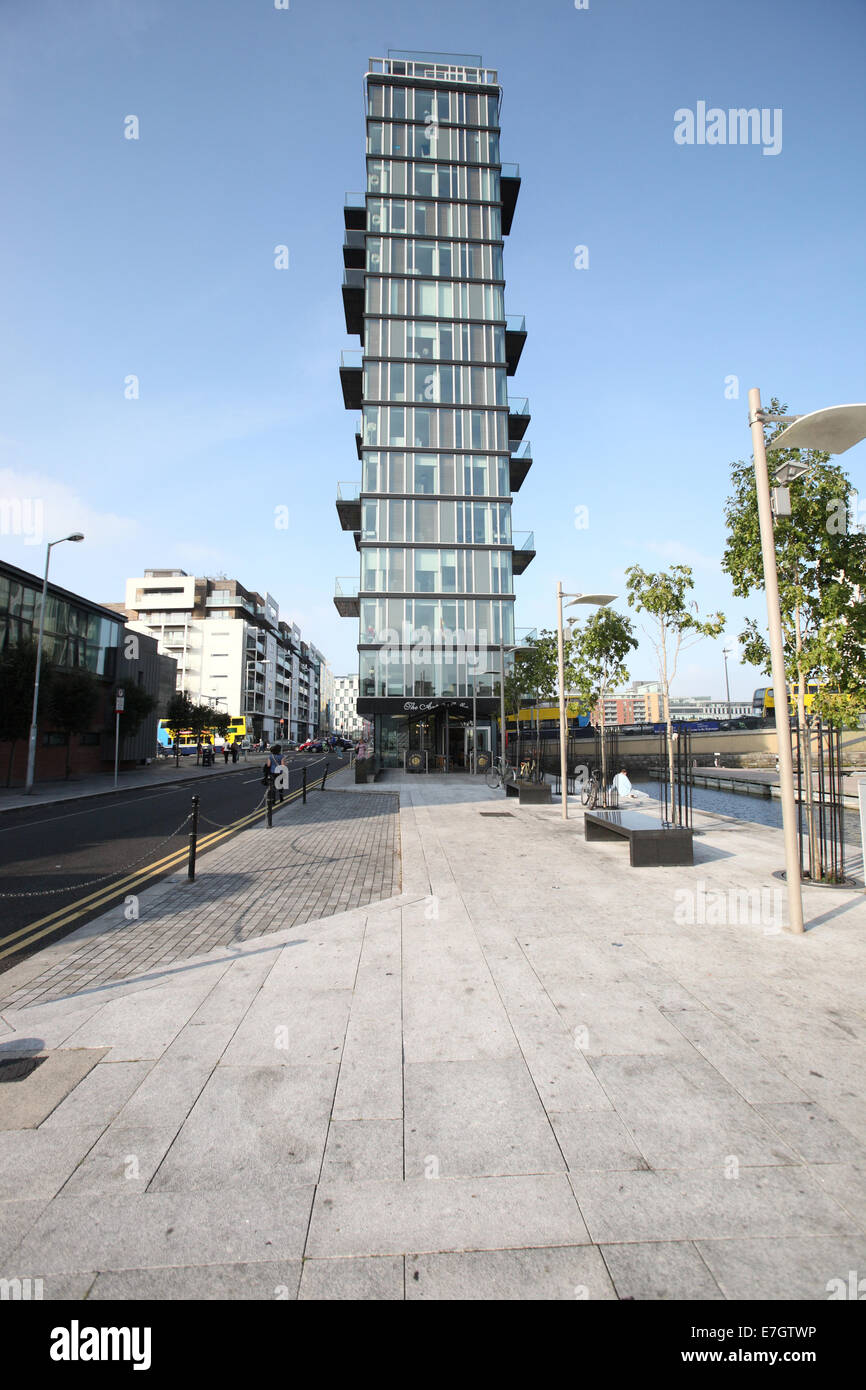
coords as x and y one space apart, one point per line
155 258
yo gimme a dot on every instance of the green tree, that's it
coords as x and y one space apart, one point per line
221 721
536 671
821 567
600 649
17 678
72 703
201 717
675 627
177 718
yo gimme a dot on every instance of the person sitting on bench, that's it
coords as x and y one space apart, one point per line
624 789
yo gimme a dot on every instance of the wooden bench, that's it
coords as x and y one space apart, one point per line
530 793
650 842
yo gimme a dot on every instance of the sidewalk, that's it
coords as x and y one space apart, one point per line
517 1069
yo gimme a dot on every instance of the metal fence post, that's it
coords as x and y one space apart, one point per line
304 783
193 835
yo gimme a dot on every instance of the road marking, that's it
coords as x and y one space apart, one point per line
105 895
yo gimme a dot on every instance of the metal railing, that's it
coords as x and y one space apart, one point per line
353 357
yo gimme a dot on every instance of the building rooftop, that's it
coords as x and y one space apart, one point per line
434 67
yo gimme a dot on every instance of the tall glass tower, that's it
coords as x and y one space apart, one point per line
442 444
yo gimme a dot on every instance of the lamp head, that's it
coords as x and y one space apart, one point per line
76 536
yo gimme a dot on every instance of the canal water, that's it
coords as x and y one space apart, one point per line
763 810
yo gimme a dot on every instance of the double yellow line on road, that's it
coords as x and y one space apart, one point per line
63 916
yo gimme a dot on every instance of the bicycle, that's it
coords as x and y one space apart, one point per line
499 773
591 791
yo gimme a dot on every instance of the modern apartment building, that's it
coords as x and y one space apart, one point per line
347 720
441 443
232 649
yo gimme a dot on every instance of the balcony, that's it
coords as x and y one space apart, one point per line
346 600
358 438
515 337
355 212
519 464
510 187
349 506
518 417
524 551
355 250
353 301
352 379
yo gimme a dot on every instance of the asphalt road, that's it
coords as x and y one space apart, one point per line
50 856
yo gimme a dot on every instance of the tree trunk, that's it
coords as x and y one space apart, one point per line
816 870
603 759
669 733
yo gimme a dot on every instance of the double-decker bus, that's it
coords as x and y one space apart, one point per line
239 731
764 705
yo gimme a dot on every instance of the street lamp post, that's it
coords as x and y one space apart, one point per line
726 653
833 430
31 747
598 601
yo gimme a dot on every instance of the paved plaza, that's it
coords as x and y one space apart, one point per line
514 1068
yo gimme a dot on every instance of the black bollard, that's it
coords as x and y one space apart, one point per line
324 776
193 835
305 785
272 796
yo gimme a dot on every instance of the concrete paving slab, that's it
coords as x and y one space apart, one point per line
123 1160
596 1140
37 1162
813 1134
275 1281
555 1274
25 1103
16 1219
660 1271
363 1150
472 1118
785 1269
681 1114
137 1231
259 1126
100 1095
379 1279
699 1205
442 1214
291 1029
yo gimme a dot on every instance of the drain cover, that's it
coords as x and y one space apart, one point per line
497 813
17 1068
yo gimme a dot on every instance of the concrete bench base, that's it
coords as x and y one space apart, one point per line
649 842
530 793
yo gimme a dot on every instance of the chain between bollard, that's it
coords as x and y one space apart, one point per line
102 878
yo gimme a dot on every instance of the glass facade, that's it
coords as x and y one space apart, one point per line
436 599
74 635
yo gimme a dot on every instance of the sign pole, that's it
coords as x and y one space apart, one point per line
118 710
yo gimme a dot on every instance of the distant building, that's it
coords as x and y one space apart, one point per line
80 634
233 650
347 720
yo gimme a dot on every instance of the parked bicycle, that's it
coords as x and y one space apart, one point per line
590 790
499 773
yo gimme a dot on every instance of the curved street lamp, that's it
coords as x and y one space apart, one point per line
832 430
